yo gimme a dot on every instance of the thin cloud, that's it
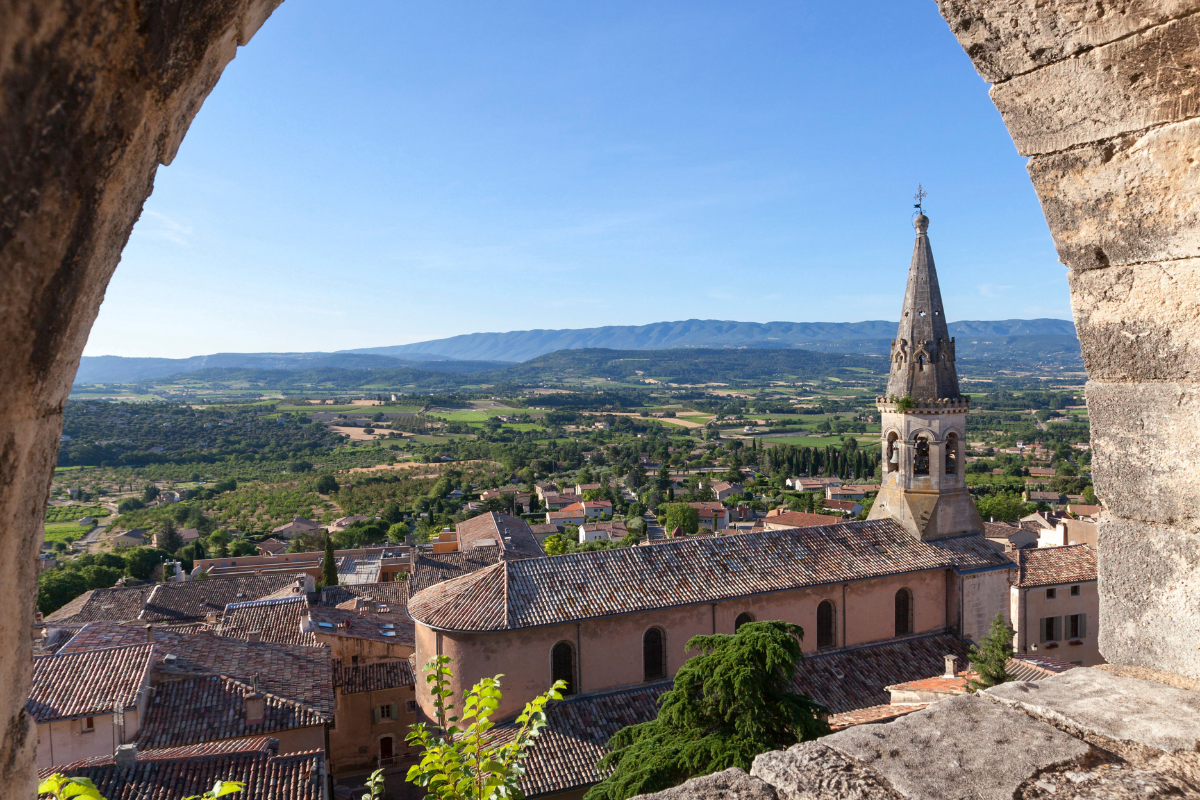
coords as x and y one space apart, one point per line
166 228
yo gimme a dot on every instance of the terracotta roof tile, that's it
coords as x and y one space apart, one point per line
372 676
303 674
274 620
119 605
187 771
510 534
358 625
546 591
212 708
1045 566
800 519
433 568
392 595
88 683
1035 667
872 714
193 600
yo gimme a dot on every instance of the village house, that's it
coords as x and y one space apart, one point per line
571 515
848 508
374 705
723 490
131 538
713 515
843 493
602 531
781 520
271 547
297 526
1055 604
596 509
510 534
542 530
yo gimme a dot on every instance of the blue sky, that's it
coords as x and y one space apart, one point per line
377 173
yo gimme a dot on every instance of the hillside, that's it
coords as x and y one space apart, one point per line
524 345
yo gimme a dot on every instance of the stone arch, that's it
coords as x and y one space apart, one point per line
826 624
654 654
83 145
904 611
742 619
563 666
891 453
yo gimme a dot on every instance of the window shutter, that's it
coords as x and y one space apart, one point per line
375 712
1083 626
395 711
1058 621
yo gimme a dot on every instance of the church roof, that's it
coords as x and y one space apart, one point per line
686 571
923 352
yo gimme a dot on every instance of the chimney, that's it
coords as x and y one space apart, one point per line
255 705
126 754
150 633
1009 547
254 636
951 666
306 622
211 618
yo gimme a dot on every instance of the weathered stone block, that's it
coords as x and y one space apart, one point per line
1100 702
1148 79
1149 578
1139 322
812 771
732 784
1128 200
961 747
1146 449
1008 37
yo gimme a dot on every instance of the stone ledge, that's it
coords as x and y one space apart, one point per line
814 771
1093 701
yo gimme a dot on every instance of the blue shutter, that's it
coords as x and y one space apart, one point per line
375 712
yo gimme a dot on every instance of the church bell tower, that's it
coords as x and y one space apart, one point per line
923 415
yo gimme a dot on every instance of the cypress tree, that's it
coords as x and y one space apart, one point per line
329 565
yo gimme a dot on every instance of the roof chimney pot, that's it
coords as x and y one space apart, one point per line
126 754
951 666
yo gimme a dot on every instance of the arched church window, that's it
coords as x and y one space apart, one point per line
562 665
904 612
921 456
653 655
826 628
742 619
921 362
952 454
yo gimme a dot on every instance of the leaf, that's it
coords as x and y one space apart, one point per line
222 788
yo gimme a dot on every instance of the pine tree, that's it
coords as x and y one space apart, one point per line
168 537
329 565
990 660
729 704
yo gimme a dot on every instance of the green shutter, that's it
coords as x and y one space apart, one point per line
375 712
1083 626
395 711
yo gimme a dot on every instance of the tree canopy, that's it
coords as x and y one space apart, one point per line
729 704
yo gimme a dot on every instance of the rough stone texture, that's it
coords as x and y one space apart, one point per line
1147 79
1140 322
1115 202
813 771
950 750
93 97
1009 37
1146 450
1098 702
1113 781
732 784
1150 603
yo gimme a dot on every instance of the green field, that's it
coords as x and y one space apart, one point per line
72 513
387 409
864 440
65 531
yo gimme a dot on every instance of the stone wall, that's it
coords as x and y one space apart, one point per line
94 96
1104 97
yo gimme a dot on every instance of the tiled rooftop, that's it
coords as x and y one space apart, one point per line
372 676
433 568
799 519
193 600
212 708
275 620
511 535
357 569
392 595
301 673
1045 566
545 591
1034 666
176 772
358 625
863 716
845 680
118 605
89 683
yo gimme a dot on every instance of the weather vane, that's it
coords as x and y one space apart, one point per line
920 198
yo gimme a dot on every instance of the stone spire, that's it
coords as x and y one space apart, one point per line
923 352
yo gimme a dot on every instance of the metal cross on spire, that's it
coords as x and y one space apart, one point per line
920 198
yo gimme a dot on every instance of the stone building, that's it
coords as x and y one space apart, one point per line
924 416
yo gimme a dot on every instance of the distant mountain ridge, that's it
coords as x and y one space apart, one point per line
525 345
477 352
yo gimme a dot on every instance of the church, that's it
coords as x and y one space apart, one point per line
881 601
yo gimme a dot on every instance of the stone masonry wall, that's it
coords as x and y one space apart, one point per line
1104 98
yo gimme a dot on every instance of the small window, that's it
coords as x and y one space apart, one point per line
1051 593
904 612
1077 626
88 724
826 629
410 706
1051 629
653 657
562 665
385 712
742 619
1074 591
